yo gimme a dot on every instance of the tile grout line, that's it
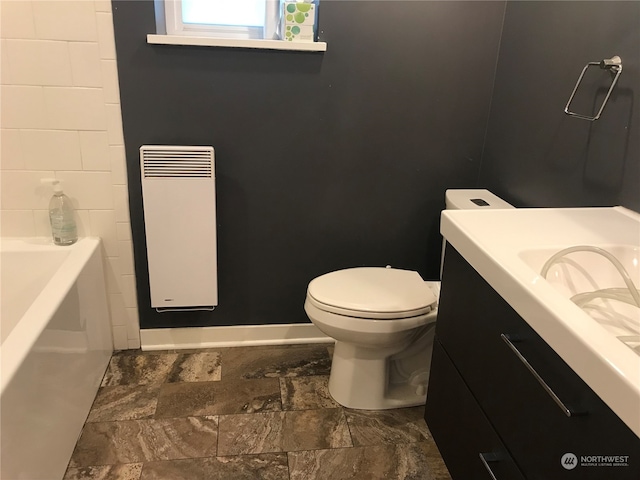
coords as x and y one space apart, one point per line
346 419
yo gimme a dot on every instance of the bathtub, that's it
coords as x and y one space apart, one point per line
56 344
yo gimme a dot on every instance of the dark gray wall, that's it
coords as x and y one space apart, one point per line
535 155
323 161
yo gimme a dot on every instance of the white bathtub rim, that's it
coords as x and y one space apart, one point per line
21 340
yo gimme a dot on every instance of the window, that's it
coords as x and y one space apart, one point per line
256 19
223 12
236 23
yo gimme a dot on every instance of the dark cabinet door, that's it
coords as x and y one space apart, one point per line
469 445
540 408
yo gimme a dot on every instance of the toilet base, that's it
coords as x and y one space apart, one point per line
360 379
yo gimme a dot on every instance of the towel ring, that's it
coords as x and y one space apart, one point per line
614 64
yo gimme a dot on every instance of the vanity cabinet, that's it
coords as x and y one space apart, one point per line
502 404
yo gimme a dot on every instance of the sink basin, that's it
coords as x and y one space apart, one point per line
583 271
601 343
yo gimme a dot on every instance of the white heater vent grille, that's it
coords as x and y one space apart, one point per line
168 161
179 201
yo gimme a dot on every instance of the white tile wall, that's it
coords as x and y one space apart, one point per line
4 66
102 223
105 33
60 117
66 20
21 189
43 148
124 231
17 222
95 150
23 107
11 154
85 65
87 189
110 78
38 62
118 165
121 201
76 108
17 20
120 337
113 274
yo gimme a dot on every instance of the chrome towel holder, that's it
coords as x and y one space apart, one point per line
613 64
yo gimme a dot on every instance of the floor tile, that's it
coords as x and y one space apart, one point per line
379 462
127 471
306 393
135 441
403 425
211 398
437 468
196 367
268 466
142 369
282 431
124 402
275 361
265 410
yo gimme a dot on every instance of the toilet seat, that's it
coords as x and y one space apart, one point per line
332 322
372 293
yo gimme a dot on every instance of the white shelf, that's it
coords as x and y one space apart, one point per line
236 43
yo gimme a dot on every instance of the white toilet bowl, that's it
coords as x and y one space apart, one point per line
383 322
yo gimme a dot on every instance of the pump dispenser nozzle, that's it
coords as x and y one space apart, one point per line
54 182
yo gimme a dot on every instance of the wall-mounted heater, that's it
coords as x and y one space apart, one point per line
179 196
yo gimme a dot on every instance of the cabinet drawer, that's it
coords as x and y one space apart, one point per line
470 447
524 401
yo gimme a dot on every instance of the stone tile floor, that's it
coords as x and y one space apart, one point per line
243 413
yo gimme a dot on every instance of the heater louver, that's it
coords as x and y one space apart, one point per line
160 161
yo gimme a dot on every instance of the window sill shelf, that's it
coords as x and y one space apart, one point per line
236 43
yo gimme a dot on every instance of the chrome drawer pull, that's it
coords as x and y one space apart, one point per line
485 458
547 388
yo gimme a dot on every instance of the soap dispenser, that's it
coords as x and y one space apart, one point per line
61 215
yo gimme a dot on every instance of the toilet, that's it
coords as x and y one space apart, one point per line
383 321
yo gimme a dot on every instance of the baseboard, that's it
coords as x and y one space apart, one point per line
235 336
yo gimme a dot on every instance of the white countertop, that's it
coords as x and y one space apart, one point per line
492 241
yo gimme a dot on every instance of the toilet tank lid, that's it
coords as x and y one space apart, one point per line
471 199
373 289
